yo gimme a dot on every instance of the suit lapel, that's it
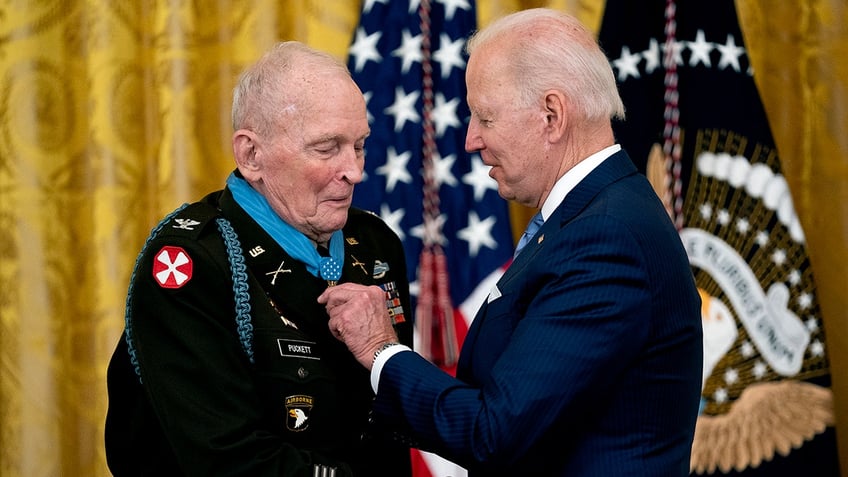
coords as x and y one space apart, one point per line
611 170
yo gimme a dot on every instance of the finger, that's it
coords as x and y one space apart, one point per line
324 296
330 293
336 329
339 294
331 299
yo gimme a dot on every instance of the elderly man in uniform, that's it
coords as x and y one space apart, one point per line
226 365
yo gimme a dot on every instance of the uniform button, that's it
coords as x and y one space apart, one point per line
302 373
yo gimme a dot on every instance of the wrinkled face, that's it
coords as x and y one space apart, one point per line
508 137
313 160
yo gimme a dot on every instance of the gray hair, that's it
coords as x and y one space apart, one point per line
553 50
260 98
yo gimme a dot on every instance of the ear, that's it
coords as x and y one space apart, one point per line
245 153
556 107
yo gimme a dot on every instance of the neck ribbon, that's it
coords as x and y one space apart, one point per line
292 240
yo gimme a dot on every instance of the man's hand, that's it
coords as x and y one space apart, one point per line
359 318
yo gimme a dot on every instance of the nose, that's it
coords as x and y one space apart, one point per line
473 141
352 165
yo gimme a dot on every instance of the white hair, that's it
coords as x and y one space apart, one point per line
552 50
260 98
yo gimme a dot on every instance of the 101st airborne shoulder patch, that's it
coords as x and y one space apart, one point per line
298 409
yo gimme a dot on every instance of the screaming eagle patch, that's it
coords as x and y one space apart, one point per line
298 409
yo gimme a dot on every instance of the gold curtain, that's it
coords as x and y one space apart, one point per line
799 51
114 113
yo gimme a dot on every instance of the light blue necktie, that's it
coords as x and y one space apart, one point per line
529 232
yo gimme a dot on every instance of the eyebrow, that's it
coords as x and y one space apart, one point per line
335 138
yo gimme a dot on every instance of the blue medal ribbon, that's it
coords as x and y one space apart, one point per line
292 240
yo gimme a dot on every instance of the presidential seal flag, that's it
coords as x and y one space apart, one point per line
408 58
697 128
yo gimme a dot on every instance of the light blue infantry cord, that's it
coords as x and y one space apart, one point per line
238 269
240 287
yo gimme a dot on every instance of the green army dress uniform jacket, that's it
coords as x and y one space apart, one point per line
227 365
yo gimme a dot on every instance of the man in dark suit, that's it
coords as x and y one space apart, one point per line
586 358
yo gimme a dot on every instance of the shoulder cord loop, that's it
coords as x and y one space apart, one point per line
128 308
240 288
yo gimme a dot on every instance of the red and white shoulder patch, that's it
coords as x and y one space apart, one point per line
172 267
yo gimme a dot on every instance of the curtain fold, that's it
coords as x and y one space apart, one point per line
798 51
114 113
111 115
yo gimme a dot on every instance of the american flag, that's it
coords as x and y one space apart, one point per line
408 57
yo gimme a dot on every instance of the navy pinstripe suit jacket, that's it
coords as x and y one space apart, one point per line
586 359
